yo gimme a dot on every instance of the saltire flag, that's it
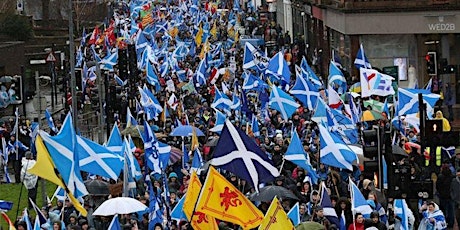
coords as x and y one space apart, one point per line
375 83
358 202
141 42
320 114
282 102
402 211
41 217
386 109
130 120
334 151
178 213
296 154
253 58
342 125
8 221
152 77
79 57
197 162
252 82
220 121
16 122
200 73
109 61
119 81
429 84
236 103
5 160
336 79
26 218
62 148
220 199
305 92
59 194
185 157
133 164
308 73
221 101
115 142
114 224
361 60
199 219
294 214
239 154
279 67
37 223
97 159
355 110
151 149
328 209
155 205
408 101
336 59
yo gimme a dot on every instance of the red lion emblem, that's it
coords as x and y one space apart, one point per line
201 217
230 198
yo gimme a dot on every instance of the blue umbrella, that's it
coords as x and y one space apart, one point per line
6 205
185 131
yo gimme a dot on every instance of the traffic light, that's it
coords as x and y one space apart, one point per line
431 63
371 143
123 64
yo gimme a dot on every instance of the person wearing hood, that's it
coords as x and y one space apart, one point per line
433 218
445 122
375 222
29 180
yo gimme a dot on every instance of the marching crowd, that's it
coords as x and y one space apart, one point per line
275 133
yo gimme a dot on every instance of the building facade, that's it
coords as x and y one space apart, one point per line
392 32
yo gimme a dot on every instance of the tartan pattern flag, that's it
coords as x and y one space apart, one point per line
220 199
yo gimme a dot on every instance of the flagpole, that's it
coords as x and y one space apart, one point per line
72 67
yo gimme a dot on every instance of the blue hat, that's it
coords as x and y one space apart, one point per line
173 174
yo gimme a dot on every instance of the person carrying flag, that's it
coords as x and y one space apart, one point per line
16 150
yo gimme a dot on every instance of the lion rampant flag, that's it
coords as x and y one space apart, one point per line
220 199
276 217
200 220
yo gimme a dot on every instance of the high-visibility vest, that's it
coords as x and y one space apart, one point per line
437 156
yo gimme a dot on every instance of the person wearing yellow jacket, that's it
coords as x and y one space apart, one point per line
445 122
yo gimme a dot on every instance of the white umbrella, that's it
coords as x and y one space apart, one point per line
119 205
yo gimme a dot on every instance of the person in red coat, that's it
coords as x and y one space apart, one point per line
358 223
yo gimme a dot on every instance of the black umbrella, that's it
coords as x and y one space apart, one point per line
97 187
267 193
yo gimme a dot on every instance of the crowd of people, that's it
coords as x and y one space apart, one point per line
275 134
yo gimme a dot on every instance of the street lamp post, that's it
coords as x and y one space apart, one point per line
303 26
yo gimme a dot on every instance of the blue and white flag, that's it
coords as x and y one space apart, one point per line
328 209
63 149
59 194
308 74
320 114
178 212
294 214
97 159
155 206
151 76
358 202
296 154
26 219
236 103
115 224
282 102
130 120
16 122
254 58
115 142
165 155
305 92
342 125
336 59
334 151
252 82
151 149
408 101
361 60
429 84
133 166
200 73
336 79
37 223
197 162
5 160
119 81
221 101
402 210
109 61
220 121
355 110
239 154
279 67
